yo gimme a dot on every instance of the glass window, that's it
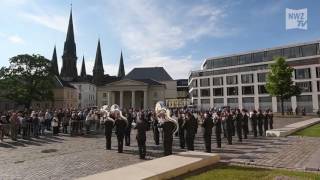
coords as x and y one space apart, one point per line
273 53
205 101
302 73
217 81
232 91
318 87
194 83
305 101
232 79
195 101
218 100
318 72
104 95
233 102
305 86
262 89
204 82
248 103
217 91
205 92
265 103
262 77
309 50
245 59
258 57
194 93
247 90
246 78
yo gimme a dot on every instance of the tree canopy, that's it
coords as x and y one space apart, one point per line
28 78
279 81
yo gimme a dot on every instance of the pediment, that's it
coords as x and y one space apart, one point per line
127 82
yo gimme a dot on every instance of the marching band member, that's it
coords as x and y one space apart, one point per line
207 126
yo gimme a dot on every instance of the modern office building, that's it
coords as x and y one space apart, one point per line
238 80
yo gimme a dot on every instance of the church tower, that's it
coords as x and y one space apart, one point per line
54 62
83 73
121 72
98 71
69 57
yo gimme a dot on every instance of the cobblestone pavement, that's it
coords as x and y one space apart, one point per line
65 157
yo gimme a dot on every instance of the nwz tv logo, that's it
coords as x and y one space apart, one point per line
297 18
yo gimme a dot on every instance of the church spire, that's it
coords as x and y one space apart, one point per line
98 71
54 62
83 69
69 57
121 72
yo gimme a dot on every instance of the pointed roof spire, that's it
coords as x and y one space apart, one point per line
54 62
70 32
98 71
121 72
98 61
69 70
83 69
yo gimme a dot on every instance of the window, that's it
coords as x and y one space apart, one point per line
205 92
262 89
217 81
318 86
248 103
232 91
79 95
292 52
258 57
318 72
194 83
247 90
217 91
309 50
273 53
262 77
195 101
204 82
155 94
246 78
104 95
218 100
265 103
245 59
232 102
305 86
302 73
194 93
305 101
232 79
205 101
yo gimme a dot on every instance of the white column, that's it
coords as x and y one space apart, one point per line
256 91
225 94
240 92
145 99
121 99
315 102
294 103
109 98
133 99
274 104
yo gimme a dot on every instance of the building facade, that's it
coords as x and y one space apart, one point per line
182 100
238 80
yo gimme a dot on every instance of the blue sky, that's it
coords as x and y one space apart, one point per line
176 34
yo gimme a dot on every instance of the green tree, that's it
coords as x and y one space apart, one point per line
28 78
279 81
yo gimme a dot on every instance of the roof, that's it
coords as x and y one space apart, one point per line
148 81
154 73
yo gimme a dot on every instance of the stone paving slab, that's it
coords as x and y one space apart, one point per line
160 168
292 128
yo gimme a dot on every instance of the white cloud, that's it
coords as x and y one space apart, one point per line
151 33
15 39
54 22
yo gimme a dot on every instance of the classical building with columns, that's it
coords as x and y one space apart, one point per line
238 80
140 88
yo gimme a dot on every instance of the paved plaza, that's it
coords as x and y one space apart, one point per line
65 157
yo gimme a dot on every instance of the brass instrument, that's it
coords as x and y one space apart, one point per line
162 110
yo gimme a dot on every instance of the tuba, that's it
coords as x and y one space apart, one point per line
105 110
116 109
162 109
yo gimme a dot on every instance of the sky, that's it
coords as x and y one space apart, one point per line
175 34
